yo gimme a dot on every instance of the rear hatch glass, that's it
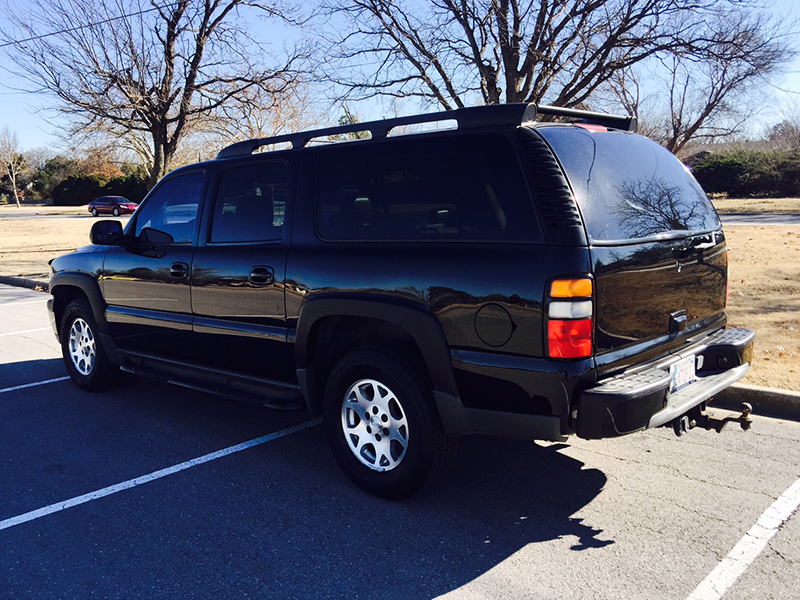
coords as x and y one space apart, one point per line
628 187
656 242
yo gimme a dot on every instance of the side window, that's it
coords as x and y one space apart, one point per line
467 187
250 204
172 207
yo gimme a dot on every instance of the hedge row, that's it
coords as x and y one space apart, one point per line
747 172
77 190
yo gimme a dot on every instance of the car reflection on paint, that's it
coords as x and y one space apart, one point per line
112 205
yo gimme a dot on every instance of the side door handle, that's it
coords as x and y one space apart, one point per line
178 270
261 275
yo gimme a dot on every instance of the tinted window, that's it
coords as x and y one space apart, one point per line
250 203
453 188
172 207
629 187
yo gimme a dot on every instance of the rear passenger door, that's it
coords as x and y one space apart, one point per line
238 273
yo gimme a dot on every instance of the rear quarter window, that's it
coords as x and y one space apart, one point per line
454 188
628 187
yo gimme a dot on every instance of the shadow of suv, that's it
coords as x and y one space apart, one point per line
510 277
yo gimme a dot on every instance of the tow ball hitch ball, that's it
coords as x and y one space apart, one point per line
697 418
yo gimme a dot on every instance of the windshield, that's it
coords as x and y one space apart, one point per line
629 187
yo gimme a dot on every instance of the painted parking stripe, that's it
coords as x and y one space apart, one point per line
30 385
125 485
26 331
749 547
23 303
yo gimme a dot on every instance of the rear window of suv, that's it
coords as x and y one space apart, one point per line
629 188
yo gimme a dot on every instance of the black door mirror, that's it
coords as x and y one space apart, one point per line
106 233
156 237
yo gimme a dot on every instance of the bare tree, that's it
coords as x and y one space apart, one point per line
144 68
12 161
701 99
256 114
461 52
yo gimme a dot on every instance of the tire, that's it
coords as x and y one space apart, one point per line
84 356
115 212
397 396
94 212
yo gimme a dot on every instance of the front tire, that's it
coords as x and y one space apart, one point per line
84 356
116 212
382 425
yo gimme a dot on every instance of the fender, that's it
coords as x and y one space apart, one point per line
91 289
420 324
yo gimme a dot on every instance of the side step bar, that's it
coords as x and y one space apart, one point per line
271 394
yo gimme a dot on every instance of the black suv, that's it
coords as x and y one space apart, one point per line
508 276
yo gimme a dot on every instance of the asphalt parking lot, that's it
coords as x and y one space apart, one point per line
103 495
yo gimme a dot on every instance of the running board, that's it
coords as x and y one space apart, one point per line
271 394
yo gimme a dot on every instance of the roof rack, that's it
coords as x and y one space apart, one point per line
478 117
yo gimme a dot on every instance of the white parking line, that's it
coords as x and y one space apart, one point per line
30 385
113 489
26 331
749 547
16 303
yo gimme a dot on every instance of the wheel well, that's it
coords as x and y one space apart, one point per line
62 296
333 337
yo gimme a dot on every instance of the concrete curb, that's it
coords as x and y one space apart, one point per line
32 284
766 401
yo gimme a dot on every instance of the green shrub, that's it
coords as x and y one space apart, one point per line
133 187
749 172
77 190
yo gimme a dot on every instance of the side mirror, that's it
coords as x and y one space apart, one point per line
156 237
106 233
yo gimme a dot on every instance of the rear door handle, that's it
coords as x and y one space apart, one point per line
178 270
261 275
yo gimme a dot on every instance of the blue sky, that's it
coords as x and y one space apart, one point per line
27 113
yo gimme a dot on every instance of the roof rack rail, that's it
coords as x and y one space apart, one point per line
477 117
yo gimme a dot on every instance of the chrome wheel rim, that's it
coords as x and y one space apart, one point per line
375 425
82 349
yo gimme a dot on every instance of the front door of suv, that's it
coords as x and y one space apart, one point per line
238 273
146 280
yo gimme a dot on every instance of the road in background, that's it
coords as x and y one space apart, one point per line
759 219
645 516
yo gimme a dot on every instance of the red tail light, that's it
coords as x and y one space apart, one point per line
569 339
569 312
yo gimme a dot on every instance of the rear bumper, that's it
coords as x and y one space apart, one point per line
640 398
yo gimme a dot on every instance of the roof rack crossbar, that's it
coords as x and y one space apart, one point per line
497 115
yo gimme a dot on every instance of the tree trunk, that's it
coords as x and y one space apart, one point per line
160 159
14 188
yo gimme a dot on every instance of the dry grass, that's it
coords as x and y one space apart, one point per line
764 274
752 206
764 277
26 245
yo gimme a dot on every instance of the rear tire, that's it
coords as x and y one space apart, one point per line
382 425
94 212
84 356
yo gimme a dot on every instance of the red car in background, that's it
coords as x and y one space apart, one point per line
114 205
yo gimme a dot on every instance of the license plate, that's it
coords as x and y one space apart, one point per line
682 373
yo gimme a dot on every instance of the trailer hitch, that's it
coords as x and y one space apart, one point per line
698 418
